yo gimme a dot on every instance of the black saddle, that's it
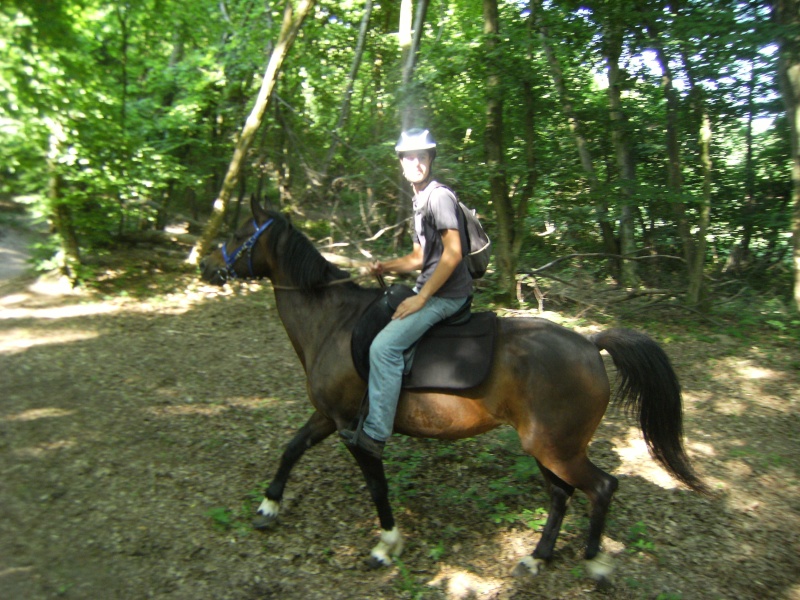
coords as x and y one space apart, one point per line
455 354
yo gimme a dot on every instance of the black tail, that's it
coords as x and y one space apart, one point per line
649 390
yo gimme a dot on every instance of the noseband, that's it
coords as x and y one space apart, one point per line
247 247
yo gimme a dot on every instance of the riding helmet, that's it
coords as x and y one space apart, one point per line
415 139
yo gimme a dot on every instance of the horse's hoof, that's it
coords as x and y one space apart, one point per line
528 567
267 514
373 563
601 568
390 546
264 522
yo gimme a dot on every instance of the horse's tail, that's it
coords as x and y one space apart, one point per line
648 388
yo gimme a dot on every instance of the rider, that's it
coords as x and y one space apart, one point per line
442 288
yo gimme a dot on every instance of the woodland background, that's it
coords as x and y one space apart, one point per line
636 164
647 146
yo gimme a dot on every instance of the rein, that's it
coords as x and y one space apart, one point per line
248 246
292 288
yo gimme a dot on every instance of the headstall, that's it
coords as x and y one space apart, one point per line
247 247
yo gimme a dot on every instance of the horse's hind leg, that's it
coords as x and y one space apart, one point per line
316 429
560 493
600 495
599 487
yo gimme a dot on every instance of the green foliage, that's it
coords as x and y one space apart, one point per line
534 519
126 114
639 539
751 310
407 583
221 517
437 552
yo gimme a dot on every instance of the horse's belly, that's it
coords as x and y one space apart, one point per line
442 416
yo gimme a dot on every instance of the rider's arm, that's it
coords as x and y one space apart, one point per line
403 264
451 257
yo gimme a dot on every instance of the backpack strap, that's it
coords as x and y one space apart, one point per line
424 208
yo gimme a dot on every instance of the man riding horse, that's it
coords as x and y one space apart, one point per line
443 287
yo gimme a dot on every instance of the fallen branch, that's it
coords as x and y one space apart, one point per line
599 255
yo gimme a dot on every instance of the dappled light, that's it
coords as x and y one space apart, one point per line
61 312
38 413
163 417
20 339
459 584
44 449
635 459
636 166
210 410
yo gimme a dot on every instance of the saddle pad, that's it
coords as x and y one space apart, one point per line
454 357
447 356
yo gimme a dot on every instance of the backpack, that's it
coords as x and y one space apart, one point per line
478 247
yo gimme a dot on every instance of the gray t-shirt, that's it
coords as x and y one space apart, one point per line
435 210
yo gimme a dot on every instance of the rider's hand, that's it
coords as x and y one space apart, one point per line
409 306
376 268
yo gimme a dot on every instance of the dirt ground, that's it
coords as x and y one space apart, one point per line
137 432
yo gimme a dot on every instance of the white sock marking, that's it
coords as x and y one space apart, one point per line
391 545
600 567
269 508
532 564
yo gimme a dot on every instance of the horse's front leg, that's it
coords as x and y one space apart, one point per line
391 544
316 429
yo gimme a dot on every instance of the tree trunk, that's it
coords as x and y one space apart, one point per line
787 15
498 187
289 29
409 45
739 257
674 163
344 110
410 113
695 292
60 211
576 128
612 49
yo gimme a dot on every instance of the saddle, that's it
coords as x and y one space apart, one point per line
455 354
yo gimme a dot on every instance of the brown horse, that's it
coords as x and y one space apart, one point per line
547 382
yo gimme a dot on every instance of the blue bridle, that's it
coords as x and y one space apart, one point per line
246 247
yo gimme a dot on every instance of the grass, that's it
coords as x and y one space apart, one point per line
639 539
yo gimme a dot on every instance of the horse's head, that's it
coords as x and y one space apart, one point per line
242 257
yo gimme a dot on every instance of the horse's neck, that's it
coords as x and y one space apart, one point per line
314 322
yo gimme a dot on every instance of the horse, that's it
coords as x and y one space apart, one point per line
547 381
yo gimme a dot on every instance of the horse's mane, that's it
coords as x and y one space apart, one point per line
298 258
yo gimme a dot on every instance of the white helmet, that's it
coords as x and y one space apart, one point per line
415 139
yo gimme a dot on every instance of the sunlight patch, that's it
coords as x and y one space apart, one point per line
186 410
251 403
39 413
61 312
42 449
458 584
701 448
636 460
757 372
16 340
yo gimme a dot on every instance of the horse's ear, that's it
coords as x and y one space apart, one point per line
257 209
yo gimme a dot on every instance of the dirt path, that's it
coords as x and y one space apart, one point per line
13 253
136 435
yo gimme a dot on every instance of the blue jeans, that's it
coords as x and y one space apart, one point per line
386 364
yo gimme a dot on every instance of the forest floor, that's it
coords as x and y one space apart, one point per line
140 422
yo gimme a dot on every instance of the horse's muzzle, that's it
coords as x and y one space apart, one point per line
213 274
